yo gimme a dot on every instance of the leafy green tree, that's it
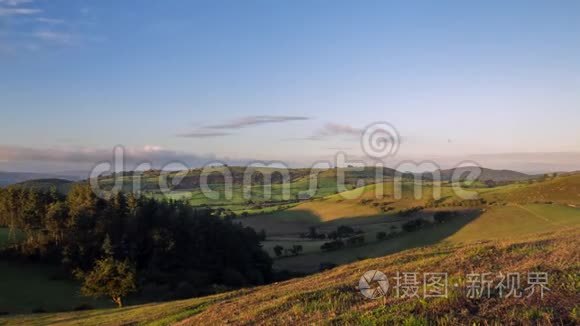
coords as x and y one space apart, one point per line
332 245
56 219
107 247
109 277
278 250
344 231
296 249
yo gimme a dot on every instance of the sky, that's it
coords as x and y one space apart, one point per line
295 81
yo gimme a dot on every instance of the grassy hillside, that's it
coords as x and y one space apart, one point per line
496 217
511 211
364 201
487 174
359 202
514 221
495 223
299 182
332 297
561 189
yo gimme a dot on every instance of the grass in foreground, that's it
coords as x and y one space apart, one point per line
331 296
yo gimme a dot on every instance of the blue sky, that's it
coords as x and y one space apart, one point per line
286 80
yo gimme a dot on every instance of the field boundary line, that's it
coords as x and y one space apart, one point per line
537 215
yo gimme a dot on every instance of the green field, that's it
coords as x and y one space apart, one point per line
299 185
39 287
492 219
493 223
561 189
507 222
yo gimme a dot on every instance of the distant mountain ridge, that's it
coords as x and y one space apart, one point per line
8 178
487 174
192 178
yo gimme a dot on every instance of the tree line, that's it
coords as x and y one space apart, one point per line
127 244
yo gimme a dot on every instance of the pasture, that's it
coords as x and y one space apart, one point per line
39 288
513 221
491 223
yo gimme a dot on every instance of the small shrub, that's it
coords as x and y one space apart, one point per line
442 216
344 231
381 235
278 249
413 225
332 245
355 240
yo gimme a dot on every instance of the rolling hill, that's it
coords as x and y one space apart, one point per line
8 178
486 174
511 213
563 189
61 185
332 297
495 213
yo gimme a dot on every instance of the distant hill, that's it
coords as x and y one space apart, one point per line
564 189
487 174
61 185
192 178
8 178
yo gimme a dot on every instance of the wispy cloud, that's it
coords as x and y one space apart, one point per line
12 8
33 31
6 12
84 158
154 154
203 134
257 120
55 37
244 122
330 130
51 21
15 2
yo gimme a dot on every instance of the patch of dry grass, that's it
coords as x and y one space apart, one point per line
331 296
